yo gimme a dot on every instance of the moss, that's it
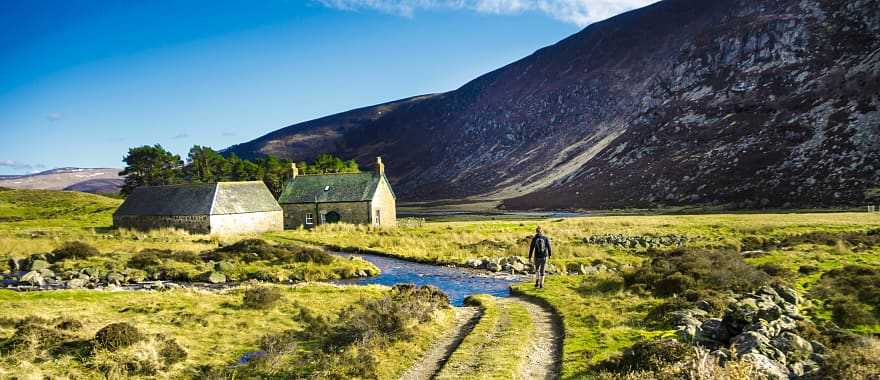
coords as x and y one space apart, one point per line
73 251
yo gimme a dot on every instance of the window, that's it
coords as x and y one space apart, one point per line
323 218
310 219
378 217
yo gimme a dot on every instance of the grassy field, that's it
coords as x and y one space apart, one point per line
214 329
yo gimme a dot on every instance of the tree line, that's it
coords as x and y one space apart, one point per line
155 166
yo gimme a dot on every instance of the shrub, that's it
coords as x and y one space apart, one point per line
73 250
858 360
34 337
647 356
117 335
777 270
250 250
851 291
151 258
171 352
808 269
69 324
261 297
674 271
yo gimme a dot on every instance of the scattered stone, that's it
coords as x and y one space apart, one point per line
76 283
39 264
215 278
767 366
114 278
33 278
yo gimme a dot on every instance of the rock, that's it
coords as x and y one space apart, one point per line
679 317
704 306
767 307
493 266
518 268
76 283
753 342
689 331
114 278
768 367
46 273
713 330
551 269
473 263
39 264
14 265
91 272
216 278
818 348
33 278
788 294
224 267
793 346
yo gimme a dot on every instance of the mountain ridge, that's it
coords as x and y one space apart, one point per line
681 102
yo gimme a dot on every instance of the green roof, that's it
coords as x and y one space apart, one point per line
199 199
326 188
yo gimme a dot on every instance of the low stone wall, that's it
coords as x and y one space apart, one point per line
197 224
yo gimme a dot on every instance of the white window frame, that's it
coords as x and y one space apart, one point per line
310 219
323 218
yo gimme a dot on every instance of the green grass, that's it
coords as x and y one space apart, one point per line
600 318
44 208
497 346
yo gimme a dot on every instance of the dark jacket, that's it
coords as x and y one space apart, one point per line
533 249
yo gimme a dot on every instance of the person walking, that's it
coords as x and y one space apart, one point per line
540 250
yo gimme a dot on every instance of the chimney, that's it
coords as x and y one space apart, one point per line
294 171
380 167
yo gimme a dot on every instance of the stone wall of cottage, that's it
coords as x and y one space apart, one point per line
384 203
197 224
349 212
253 222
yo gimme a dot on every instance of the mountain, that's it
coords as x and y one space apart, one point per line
739 102
97 180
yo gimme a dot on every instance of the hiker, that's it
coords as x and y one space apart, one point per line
540 249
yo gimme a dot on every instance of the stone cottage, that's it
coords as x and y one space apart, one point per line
212 208
356 198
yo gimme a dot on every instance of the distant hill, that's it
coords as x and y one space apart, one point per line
55 208
738 102
89 180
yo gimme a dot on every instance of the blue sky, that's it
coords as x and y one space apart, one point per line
81 81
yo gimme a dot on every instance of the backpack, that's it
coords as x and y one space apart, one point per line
541 247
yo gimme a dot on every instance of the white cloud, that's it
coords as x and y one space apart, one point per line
578 12
21 166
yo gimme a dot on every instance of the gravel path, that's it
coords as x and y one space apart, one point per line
545 356
428 366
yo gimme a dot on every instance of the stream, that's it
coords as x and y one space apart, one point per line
457 283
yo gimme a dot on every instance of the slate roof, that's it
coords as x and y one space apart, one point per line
199 199
342 187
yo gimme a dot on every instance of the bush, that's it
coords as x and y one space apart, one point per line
171 352
851 291
73 251
777 270
69 324
647 356
34 337
808 269
675 271
857 360
250 250
152 258
117 335
261 297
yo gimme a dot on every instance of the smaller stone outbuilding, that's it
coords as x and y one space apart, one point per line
214 208
355 198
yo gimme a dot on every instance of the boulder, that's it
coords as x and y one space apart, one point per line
788 294
518 268
680 317
688 331
46 273
494 266
14 265
753 342
712 330
216 278
114 278
767 366
793 346
76 283
817 347
33 278
473 263
39 264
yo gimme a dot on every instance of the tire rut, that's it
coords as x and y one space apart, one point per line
544 360
430 364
